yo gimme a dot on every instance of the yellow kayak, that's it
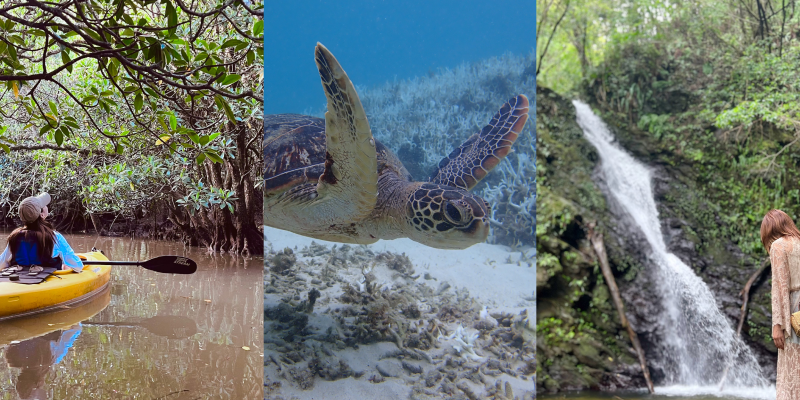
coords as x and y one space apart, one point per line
62 317
57 291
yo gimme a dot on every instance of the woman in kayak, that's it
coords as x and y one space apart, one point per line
781 238
37 243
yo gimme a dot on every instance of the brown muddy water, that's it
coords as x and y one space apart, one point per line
149 335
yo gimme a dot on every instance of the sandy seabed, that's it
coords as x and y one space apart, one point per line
397 320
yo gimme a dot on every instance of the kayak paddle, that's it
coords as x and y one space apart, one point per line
163 264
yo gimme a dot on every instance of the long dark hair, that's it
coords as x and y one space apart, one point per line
39 232
775 225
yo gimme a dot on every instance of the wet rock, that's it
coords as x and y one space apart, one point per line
412 311
282 262
389 368
432 378
588 354
412 368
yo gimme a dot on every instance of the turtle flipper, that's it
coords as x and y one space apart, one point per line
470 162
348 188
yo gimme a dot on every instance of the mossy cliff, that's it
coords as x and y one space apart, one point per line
580 343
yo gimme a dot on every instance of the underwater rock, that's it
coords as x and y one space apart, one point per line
389 368
411 367
291 323
282 262
412 311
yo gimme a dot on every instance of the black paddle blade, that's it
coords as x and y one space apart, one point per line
171 265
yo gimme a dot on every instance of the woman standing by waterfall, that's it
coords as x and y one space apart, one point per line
780 237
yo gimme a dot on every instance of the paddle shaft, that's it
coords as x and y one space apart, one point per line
163 264
113 262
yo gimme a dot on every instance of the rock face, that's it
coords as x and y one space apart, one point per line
580 342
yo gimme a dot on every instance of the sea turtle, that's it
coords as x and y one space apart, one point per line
331 180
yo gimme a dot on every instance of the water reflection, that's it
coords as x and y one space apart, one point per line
149 335
36 356
170 326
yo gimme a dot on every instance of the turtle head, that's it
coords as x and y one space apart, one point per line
447 217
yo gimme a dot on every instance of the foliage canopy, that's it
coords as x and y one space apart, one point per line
112 74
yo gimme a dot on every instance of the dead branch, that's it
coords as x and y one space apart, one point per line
596 238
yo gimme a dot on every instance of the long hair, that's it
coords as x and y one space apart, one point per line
39 232
775 225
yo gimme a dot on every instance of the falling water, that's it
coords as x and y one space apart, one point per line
698 340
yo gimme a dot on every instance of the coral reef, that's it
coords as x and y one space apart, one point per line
377 320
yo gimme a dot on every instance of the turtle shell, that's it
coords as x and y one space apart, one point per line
294 151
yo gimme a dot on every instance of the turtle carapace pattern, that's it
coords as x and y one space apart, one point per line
330 179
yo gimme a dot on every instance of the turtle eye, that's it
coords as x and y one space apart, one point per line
452 213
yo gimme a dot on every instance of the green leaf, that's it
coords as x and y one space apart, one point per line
119 149
71 122
65 59
59 136
173 122
251 57
258 27
53 108
5 148
172 17
138 102
213 156
151 92
113 68
200 158
230 79
163 125
231 43
12 52
221 103
45 129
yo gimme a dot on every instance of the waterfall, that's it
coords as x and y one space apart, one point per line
698 341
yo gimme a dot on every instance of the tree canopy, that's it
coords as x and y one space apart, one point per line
110 74
139 112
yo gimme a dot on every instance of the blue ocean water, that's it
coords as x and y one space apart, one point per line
378 41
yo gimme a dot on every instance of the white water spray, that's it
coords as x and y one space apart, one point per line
698 339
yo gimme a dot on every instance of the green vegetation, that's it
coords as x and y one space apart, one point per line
705 90
135 113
